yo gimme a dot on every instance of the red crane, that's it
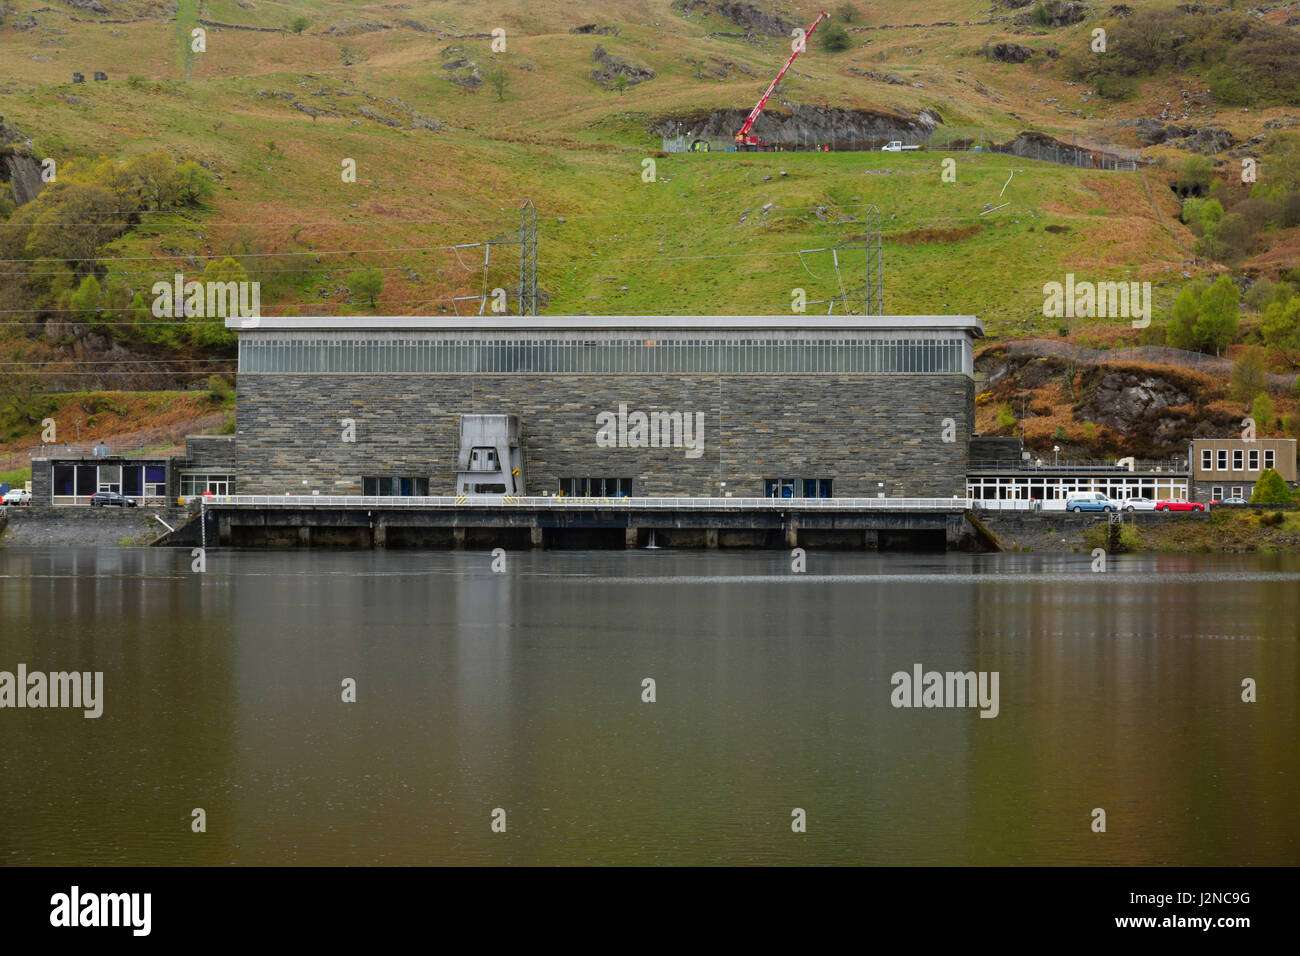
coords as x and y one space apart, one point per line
742 135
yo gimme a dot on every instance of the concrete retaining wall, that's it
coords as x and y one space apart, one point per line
84 526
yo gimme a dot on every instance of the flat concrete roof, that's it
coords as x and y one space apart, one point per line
967 324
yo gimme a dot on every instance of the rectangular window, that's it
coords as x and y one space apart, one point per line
1270 458
64 480
132 480
1236 491
87 479
1238 459
1217 492
1207 459
1253 459
1223 459
394 486
817 488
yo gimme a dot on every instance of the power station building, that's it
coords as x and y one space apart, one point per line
797 406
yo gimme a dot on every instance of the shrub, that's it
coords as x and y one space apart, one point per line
835 39
1263 413
1271 489
366 284
86 299
1249 377
1006 417
1113 87
1260 214
219 388
1291 210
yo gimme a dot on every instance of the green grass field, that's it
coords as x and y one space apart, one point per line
610 243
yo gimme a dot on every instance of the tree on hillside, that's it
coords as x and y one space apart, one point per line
140 313
835 39
366 284
1182 320
499 80
19 387
194 184
299 24
1263 414
86 299
1216 324
1249 377
1271 489
1280 329
72 222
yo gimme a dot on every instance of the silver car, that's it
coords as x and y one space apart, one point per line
1139 504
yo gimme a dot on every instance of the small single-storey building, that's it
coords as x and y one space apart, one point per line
64 475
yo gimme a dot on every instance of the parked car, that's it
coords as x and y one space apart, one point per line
1139 504
1235 500
1090 501
17 496
1178 504
896 146
101 499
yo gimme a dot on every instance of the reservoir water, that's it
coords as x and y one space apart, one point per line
524 691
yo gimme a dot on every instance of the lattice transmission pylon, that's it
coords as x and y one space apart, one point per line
528 243
868 296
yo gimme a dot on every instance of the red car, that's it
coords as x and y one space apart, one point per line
1178 504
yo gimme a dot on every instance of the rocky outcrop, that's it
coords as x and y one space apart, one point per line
750 16
1208 141
18 167
87 6
1156 408
1055 13
1011 52
598 28
613 73
350 27
1152 132
798 123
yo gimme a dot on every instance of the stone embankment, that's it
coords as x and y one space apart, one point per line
85 527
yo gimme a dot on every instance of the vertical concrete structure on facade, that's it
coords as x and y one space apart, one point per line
791 406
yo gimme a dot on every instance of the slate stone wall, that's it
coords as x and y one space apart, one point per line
870 434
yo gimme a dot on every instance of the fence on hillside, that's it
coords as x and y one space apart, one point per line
1081 155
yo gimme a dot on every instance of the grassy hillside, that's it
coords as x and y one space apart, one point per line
576 149
443 157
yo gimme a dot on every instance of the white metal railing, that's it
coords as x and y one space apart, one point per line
619 504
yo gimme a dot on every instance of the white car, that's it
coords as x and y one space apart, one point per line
1139 504
896 146
17 496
